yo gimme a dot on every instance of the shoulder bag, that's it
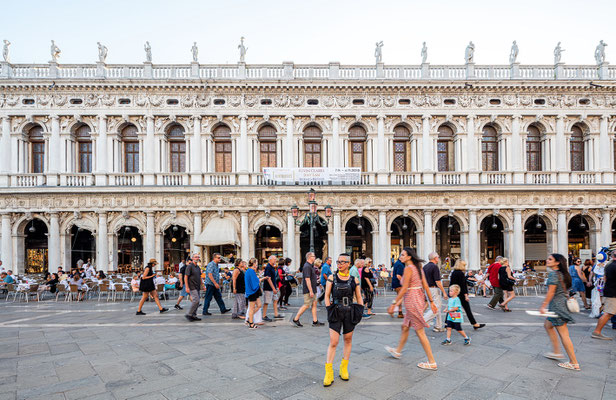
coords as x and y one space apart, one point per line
572 304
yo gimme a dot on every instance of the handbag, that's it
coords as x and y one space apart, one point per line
178 286
572 304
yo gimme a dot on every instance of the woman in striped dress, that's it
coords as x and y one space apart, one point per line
413 293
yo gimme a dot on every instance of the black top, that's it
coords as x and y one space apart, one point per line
240 283
147 285
52 285
503 279
366 275
457 278
432 274
398 270
610 280
270 272
193 273
343 289
309 272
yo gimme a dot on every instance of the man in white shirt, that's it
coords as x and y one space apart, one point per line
159 280
90 271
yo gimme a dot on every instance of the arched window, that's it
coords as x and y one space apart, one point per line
357 147
131 148
401 148
37 149
489 149
177 148
223 148
577 148
84 148
534 152
267 146
312 146
444 149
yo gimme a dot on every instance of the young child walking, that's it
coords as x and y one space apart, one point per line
454 318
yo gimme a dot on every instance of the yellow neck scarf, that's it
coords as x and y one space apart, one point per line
343 274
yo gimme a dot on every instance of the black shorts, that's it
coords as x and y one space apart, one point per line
255 295
453 325
342 322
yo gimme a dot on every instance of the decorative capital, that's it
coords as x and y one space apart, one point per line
426 117
243 117
289 117
335 116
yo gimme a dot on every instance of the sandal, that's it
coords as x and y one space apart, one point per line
554 356
568 365
428 366
253 326
393 352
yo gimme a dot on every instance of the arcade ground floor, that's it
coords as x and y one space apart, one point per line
120 230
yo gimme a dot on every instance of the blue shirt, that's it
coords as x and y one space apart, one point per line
354 272
397 270
212 268
252 282
454 316
9 279
326 271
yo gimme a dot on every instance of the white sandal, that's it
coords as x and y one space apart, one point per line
428 366
568 365
393 352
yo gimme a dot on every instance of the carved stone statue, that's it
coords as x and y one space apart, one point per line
600 53
378 52
469 53
102 52
195 52
55 52
243 50
558 51
5 51
513 56
148 52
424 53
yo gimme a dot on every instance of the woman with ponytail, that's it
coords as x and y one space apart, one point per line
412 293
559 282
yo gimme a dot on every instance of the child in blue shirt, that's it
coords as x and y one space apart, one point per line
454 316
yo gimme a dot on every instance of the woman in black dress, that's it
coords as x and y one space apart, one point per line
146 286
506 280
366 286
458 277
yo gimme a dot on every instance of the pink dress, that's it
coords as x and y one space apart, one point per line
415 302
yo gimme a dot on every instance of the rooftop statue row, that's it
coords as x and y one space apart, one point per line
469 52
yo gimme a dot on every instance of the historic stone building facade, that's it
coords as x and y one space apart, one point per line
121 163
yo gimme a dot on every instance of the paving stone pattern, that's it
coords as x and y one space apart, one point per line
94 350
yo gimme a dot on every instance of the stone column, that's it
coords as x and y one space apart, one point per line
53 244
6 247
384 244
102 243
54 154
290 236
196 176
150 238
101 169
197 228
427 151
473 240
289 158
242 151
517 258
561 150
604 147
5 143
381 151
606 229
335 147
427 235
562 234
337 236
517 151
471 150
149 155
244 239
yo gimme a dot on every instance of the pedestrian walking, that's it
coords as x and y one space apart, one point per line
368 289
578 280
326 271
609 298
253 291
270 288
193 284
506 282
310 292
587 271
289 279
396 281
342 316
146 286
180 283
212 286
458 277
559 282
493 278
433 277
454 319
414 291
239 290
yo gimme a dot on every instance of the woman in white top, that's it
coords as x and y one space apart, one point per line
81 287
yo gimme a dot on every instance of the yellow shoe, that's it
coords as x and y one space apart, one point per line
329 375
344 370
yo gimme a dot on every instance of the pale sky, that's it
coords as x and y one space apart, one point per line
309 31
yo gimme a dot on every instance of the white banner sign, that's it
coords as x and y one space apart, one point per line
309 176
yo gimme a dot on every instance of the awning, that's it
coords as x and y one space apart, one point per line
217 232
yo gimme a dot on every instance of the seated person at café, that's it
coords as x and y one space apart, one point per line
159 279
62 276
81 287
101 275
134 284
82 272
50 284
7 277
471 279
170 285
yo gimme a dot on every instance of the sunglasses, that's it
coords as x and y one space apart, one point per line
343 262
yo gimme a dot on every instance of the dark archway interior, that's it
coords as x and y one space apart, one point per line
176 247
82 245
35 245
358 238
268 242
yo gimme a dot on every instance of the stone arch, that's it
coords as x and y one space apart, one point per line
271 220
451 124
581 123
498 127
483 214
546 217
26 125
181 219
232 218
462 220
85 221
372 219
407 123
308 123
360 124
590 217
218 125
411 215
21 222
279 129
76 124
165 127
136 221
543 128
124 124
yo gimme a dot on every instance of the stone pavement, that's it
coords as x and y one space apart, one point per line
103 351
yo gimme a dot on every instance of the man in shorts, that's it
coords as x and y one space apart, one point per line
270 288
309 289
609 298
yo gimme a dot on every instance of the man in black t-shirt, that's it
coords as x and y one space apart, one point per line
609 298
270 288
310 280
433 278
193 284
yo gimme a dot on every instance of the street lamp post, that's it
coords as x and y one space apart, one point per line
312 216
